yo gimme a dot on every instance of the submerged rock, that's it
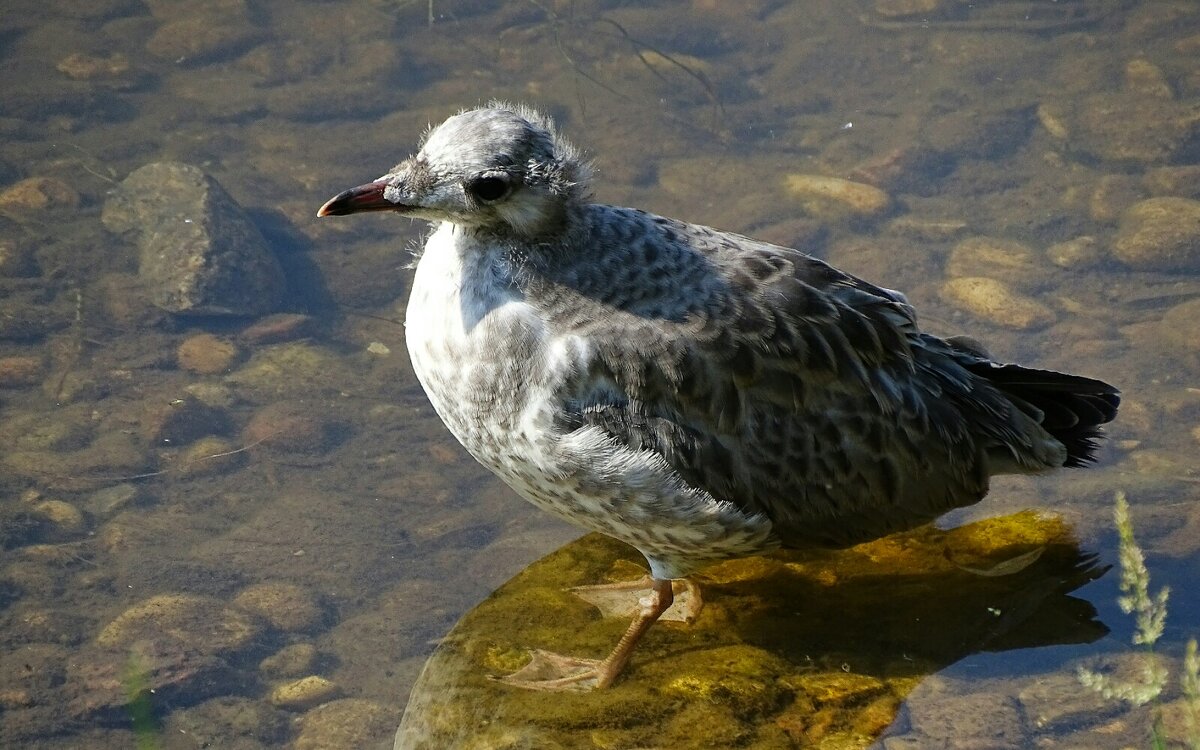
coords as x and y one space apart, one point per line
906 8
202 622
289 427
103 681
1005 260
206 354
1057 701
198 33
995 301
215 723
1144 77
199 253
166 420
1126 128
291 369
37 194
290 661
1113 194
180 647
85 67
64 520
1180 180
20 371
349 722
209 456
1160 234
948 714
17 255
109 501
277 328
1076 254
304 693
108 456
286 606
797 649
832 196
28 316
1178 328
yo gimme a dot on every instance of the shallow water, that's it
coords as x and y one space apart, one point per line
283 502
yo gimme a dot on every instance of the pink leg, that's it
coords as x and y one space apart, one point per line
549 671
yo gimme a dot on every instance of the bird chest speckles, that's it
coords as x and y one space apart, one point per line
475 343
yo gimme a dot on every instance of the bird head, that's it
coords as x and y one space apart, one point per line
501 169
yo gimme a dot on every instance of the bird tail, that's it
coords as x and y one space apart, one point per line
1071 408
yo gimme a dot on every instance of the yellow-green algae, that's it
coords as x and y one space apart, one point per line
798 649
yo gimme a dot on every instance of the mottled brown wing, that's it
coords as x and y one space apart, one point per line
774 381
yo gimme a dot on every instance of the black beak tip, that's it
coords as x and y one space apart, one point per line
332 208
341 204
367 197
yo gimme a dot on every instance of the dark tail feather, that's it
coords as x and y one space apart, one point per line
1072 407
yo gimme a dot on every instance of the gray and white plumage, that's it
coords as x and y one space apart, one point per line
695 393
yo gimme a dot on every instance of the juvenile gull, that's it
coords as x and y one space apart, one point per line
697 394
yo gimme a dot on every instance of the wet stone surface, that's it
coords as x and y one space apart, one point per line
777 661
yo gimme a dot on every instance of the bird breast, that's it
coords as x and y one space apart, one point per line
499 376
482 352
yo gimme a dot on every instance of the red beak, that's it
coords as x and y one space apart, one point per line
367 197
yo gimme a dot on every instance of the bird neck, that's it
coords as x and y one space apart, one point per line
546 231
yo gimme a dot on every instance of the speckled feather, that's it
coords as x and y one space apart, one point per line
776 382
696 393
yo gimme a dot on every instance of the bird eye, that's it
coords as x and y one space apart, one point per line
488 189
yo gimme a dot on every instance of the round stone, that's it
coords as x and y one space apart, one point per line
206 354
1160 234
303 694
209 624
995 301
286 606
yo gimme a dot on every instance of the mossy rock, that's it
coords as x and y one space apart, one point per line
802 648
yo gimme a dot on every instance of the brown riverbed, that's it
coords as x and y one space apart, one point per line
251 532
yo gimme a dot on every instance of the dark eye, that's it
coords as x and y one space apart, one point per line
488 189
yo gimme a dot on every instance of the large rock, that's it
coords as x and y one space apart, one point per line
1005 260
200 254
755 669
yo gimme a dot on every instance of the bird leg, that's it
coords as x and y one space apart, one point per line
553 672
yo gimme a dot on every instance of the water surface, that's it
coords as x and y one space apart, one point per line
297 510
